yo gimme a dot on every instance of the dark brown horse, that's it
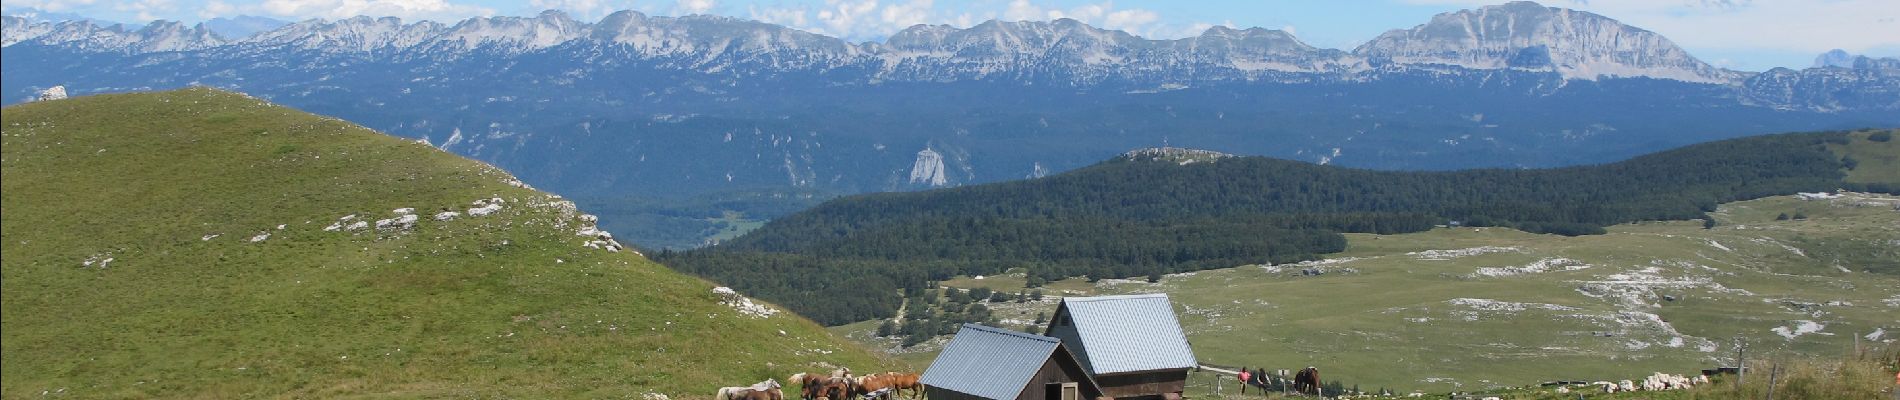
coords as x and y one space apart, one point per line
809 384
1307 381
836 389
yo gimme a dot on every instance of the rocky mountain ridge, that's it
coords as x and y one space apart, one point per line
1517 35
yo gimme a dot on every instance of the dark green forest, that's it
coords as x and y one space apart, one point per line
850 259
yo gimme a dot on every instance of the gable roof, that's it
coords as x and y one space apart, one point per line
1127 333
991 362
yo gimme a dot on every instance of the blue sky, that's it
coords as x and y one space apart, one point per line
1739 34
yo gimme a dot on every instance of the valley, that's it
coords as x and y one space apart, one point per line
1466 309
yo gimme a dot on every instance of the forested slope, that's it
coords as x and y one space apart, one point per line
1144 214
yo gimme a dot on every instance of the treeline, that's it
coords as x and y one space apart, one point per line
847 259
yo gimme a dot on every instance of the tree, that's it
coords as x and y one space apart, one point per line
1782 217
1022 296
955 296
1708 223
1035 282
980 293
887 328
1036 295
1042 318
1154 277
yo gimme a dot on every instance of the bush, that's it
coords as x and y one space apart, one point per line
1881 136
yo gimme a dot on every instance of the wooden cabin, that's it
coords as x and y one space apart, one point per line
1132 346
991 363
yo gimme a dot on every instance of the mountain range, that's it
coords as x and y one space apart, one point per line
638 106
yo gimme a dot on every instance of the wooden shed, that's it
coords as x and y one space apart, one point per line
1132 346
991 363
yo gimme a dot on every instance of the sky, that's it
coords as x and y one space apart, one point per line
1748 35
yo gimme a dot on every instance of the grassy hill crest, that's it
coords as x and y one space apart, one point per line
205 244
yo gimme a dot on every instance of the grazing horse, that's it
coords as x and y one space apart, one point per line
836 389
1307 381
767 390
895 381
809 384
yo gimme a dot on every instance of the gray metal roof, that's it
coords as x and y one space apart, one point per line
1128 333
989 362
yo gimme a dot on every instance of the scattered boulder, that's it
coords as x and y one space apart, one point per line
52 93
402 222
745 305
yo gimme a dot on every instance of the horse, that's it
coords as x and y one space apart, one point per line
895 381
1307 381
836 389
809 384
768 394
766 390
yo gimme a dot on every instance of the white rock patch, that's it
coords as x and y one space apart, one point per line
1801 327
485 207
743 304
1444 255
1540 266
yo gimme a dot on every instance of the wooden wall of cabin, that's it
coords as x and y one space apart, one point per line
1055 371
936 393
1140 384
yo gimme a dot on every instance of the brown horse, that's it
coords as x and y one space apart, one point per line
1307 381
895 381
809 384
836 389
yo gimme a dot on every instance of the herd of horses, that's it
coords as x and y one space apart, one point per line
840 385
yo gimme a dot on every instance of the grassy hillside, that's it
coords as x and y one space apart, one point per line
174 245
1466 309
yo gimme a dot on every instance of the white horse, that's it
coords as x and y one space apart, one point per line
737 392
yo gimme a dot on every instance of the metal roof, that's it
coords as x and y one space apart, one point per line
989 362
1128 333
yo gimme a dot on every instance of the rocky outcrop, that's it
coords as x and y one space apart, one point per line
52 93
929 170
1529 36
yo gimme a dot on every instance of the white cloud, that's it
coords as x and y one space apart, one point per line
872 19
146 10
51 5
337 9
216 8
581 9
1782 25
684 7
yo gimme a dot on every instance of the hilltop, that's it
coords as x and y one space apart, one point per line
204 244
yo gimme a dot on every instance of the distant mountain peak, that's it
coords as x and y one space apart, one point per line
1836 58
1529 36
